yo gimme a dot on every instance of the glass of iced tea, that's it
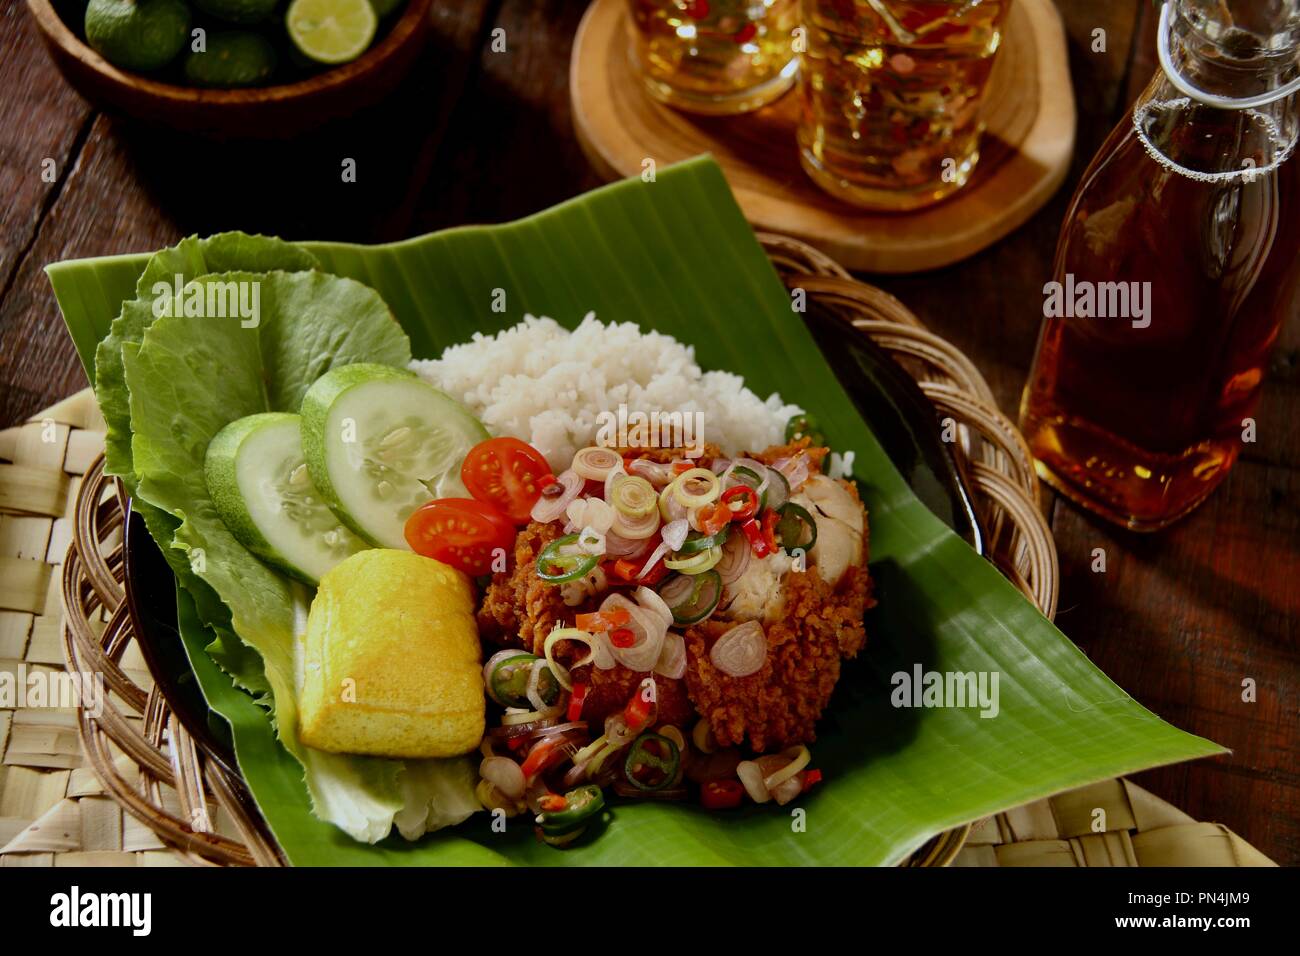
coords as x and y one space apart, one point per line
891 93
715 56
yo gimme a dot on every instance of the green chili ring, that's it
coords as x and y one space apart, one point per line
702 542
572 566
640 757
804 426
788 528
581 806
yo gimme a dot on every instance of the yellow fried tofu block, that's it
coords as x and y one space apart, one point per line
391 659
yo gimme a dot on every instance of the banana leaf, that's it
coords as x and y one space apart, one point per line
676 255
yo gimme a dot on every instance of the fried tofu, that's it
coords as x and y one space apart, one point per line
391 660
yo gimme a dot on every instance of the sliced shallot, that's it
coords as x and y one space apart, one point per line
672 659
651 601
751 775
741 651
504 774
549 507
794 469
674 533
657 474
617 546
735 557
655 555
648 631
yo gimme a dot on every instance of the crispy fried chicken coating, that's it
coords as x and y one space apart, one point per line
778 705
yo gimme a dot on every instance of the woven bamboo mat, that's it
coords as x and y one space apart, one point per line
53 811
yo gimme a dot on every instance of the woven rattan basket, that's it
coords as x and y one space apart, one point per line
166 782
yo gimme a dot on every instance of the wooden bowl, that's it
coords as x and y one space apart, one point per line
263 112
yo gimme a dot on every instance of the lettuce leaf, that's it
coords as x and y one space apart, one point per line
187 378
188 259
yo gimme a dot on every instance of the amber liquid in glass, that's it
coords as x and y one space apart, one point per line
891 93
715 56
1140 424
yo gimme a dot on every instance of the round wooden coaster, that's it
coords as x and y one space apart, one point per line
1025 156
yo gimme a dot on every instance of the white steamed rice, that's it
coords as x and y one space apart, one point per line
546 385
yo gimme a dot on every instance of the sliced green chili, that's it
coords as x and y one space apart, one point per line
663 765
553 567
580 807
795 520
805 426
510 682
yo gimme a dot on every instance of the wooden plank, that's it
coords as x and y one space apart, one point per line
1182 619
515 150
41 118
103 207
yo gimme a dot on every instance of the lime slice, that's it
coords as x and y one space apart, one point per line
331 31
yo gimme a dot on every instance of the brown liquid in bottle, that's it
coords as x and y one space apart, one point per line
1140 424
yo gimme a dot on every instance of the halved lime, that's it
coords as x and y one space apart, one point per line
331 31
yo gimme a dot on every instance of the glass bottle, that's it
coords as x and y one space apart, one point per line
1178 262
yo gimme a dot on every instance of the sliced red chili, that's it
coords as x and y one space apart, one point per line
640 709
713 518
603 620
741 501
770 518
576 700
753 533
722 794
622 637
810 779
552 802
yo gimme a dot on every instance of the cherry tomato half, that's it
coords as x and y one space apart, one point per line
467 534
508 474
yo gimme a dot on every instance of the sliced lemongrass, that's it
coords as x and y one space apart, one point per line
696 488
596 463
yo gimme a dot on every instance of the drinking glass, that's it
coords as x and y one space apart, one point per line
891 92
715 56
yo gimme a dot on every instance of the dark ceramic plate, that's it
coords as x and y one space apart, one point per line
888 399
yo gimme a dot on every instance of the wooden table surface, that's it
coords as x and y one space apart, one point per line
1180 620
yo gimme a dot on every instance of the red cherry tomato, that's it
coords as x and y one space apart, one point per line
462 532
508 474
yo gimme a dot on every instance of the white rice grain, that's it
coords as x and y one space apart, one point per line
547 386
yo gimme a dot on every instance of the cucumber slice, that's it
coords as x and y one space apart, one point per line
260 484
380 442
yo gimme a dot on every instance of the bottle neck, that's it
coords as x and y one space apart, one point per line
1224 106
1233 49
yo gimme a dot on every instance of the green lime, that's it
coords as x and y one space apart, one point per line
384 7
238 11
235 58
137 34
331 31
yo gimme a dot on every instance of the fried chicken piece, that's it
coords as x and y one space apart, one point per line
609 692
779 705
816 454
519 609
666 456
